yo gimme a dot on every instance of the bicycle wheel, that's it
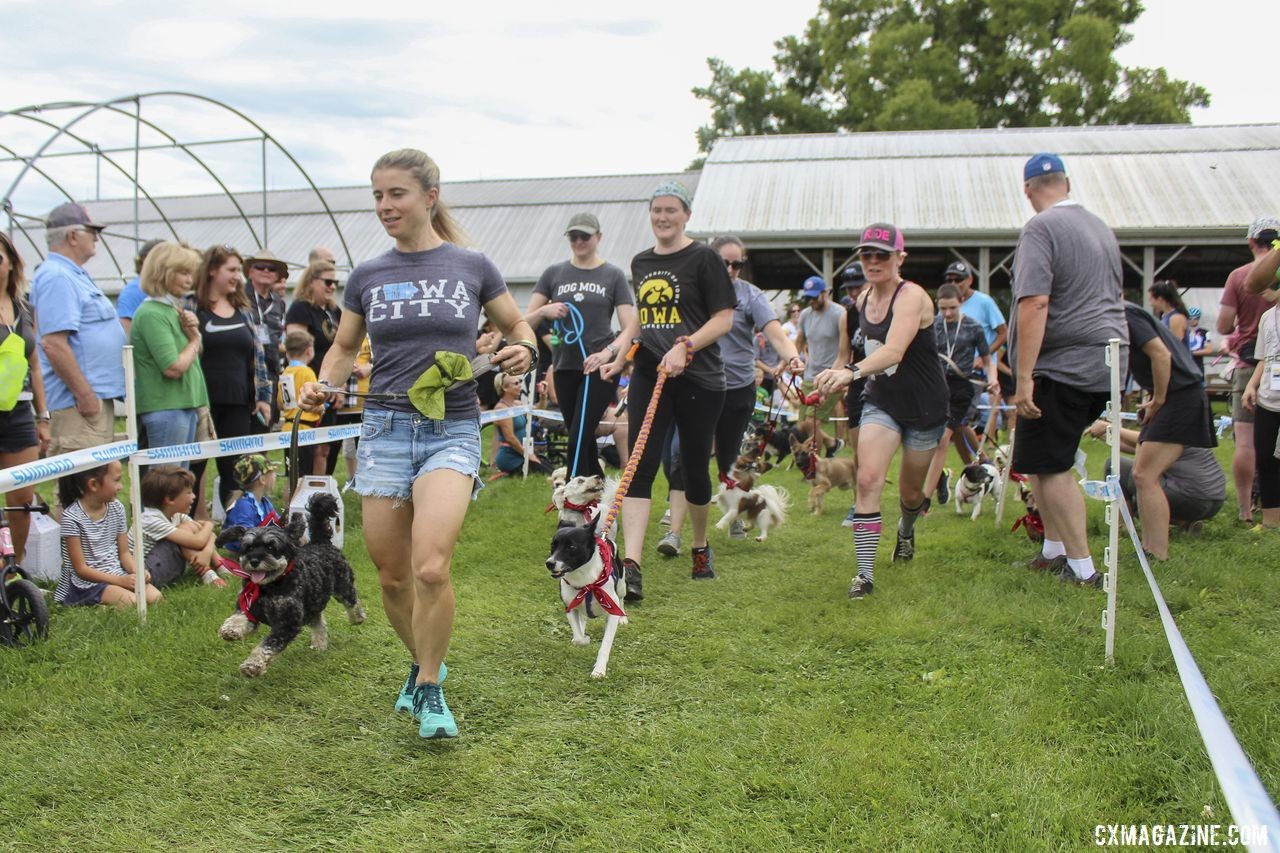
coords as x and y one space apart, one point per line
28 618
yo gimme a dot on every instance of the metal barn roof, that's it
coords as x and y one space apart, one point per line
1163 183
519 224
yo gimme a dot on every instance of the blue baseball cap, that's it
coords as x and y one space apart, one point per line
1042 164
814 286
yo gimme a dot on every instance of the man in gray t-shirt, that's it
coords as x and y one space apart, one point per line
818 339
1069 301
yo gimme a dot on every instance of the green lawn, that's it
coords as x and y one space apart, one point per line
963 706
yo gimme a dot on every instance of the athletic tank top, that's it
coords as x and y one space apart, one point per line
915 394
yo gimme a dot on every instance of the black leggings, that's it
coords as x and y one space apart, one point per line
1266 426
229 421
694 410
570 386
739 403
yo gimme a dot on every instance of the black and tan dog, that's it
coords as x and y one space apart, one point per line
287 584
826 474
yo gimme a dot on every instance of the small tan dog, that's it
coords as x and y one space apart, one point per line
826 474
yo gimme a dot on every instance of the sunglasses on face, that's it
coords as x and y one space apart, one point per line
329 282
735 265
264 268
579 237
875 255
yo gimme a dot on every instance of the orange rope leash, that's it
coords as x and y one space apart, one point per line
642 437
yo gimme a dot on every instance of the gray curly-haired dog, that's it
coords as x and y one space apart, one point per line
287 585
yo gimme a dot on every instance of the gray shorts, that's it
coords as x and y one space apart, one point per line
1239 382
165 563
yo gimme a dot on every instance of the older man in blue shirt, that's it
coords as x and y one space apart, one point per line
81 340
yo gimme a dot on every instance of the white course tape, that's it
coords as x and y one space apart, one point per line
502 414
1248 800
60 466
244 444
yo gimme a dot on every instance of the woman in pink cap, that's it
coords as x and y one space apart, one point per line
905 400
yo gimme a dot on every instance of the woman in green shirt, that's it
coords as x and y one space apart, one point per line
166 344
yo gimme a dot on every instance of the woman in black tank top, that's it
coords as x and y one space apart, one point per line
905 401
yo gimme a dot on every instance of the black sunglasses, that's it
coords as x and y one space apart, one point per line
877 255
735 265
329 282
263 268
579 237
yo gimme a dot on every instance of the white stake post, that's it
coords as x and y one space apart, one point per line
1112 555
135 487
1004 478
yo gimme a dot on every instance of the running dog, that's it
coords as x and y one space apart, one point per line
764 506
826 474
770 447
287 584
590 573
976 482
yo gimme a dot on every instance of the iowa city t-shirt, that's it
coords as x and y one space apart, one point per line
675 295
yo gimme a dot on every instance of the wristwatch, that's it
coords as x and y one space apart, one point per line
44 416
857 372
533 351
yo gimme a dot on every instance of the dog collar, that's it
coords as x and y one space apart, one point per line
585 509
729 483
251 590
597 588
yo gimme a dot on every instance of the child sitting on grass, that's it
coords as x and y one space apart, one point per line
258 476
97 567
171 540
299 346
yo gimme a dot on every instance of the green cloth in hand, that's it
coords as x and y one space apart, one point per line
427 393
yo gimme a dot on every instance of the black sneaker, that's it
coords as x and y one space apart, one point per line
905 550
1068 576
704 564
944 487
861 587
1038 563
631 574
835 448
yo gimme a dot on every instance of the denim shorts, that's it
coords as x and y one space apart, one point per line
396 448
912 439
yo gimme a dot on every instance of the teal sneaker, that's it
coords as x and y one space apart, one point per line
435 720
404 702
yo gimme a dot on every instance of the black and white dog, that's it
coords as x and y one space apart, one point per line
287 583
976 482
591 574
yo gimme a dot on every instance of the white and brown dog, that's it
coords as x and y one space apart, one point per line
591 574
579 499
742 498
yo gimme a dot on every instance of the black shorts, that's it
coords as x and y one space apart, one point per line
959 402
18 428
1183 419
1048 444
165 563
1006 384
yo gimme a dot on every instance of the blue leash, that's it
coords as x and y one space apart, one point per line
570 337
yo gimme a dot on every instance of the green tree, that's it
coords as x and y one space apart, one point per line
864 65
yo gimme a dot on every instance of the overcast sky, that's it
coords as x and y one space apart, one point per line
501 89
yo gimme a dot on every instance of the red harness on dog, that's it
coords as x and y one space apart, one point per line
598 587
585 509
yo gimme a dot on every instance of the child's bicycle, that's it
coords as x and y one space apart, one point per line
24 615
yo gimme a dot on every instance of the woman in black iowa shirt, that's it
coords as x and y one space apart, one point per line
231 357
685 301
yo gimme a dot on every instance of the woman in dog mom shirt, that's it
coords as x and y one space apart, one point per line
417 475
582 295
685 301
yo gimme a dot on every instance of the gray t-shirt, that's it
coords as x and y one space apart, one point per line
594 294
822 337
1070 255
1196 473
415 304
738 347
961 341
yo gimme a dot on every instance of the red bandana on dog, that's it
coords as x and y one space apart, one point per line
252 589
597 588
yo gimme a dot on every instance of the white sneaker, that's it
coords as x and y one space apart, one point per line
669 546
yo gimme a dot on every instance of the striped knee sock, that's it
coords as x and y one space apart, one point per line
907 524
866 538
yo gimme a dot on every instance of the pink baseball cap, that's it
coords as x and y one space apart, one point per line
883 236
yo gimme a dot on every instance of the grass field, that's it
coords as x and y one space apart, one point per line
964 706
